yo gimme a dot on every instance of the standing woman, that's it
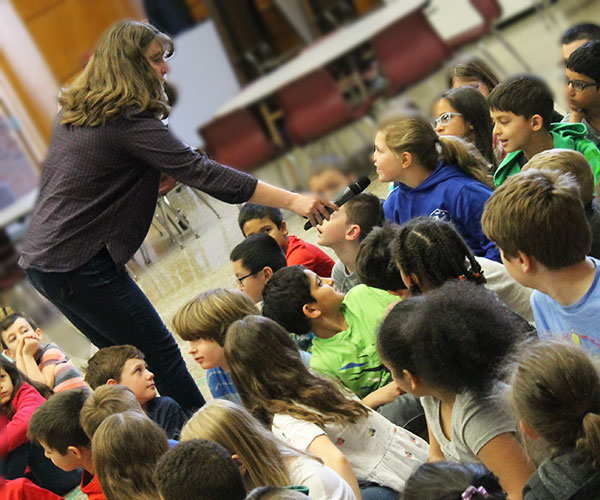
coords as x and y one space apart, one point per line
98 195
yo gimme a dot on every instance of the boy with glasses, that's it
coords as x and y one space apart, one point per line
582 77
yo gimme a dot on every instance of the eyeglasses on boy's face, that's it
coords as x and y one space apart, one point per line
444 119
240 281
579 85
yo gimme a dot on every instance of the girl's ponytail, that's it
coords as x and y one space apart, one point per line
467 157
589 442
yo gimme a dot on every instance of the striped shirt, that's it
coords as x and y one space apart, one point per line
66 375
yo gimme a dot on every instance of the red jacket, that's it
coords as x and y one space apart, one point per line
13 432
24 489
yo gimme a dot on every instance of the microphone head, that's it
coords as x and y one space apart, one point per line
360 185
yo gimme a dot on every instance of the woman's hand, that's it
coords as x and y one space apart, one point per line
314 209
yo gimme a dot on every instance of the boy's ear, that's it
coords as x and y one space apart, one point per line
76 451
412 379
284 228
311 310
39 332
537 122
267 273
112 381
353 232
8 353
526 262
527 430
241 465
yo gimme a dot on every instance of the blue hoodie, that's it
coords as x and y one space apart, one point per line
449 194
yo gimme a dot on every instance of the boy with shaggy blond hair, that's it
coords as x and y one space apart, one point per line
537 220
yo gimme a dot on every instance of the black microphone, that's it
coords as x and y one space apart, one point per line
350 192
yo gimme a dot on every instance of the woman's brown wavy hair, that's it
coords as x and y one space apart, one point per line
117 78
271 377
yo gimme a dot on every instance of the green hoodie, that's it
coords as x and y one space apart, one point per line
566 136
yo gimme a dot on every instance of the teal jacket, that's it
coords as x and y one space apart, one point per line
566 136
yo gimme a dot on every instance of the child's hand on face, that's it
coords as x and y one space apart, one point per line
30 345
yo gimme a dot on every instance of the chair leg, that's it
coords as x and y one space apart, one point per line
203 199
179 216
165 223
158 229
510 49
145 255
131 273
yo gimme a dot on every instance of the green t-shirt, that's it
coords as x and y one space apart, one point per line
351 355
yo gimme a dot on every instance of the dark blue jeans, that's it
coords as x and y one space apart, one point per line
106 305
43 472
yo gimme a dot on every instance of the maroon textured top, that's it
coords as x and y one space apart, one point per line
99 187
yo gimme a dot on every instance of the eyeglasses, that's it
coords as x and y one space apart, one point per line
240 281
444 119
580 86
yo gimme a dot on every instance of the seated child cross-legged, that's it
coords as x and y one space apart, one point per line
521 109
254 261
199 470
19 398
449 347
45 363
555 389
124 364
55 426
345 343
203 323
343 233
263 459
544 243
438 177
315 414
260 219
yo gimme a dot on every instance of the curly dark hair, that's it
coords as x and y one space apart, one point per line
458 337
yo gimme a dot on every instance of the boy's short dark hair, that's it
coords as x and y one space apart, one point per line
366 211
56 422
541 214
251 211
201 470
108 363
584 60
105 401
7 321
375 265
587 31
258 251
284 297
524 95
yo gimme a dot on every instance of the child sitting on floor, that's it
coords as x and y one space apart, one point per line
343 233
538 221
55 426
260 219
124 364
19 398
254 261
521 109
555 390
45 363
449 348
264 460
314 414
203 323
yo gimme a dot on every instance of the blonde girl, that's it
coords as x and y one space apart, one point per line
556 396
314 414
98 195
125 450
440 177
264 460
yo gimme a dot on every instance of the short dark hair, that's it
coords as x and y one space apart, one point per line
366 211
251 211
375 265
284 297
584 60
108 363
458 337
56 422
435 252
258 251
8 321
200 470
448 480
523 95
586 31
